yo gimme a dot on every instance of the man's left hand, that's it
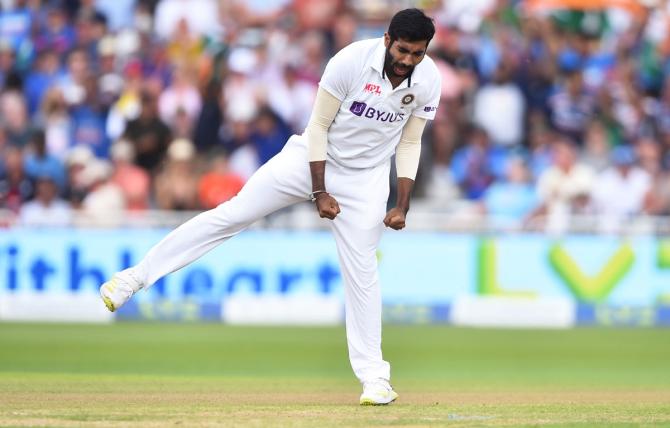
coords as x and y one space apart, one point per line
395 218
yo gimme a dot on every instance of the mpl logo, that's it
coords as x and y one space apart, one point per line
372 88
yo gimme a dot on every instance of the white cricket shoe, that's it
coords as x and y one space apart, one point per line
377 392
119 289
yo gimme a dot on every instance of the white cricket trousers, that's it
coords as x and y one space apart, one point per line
285 180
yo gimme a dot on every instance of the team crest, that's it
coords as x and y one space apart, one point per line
407 99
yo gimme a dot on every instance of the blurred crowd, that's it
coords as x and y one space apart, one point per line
115 105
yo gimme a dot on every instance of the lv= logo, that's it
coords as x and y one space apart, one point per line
592 287
584 287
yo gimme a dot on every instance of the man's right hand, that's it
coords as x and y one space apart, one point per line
327 206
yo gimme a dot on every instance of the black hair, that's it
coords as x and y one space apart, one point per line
412 25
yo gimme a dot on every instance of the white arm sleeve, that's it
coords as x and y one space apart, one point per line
325 109
409 149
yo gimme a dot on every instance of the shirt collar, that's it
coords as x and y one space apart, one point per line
378 58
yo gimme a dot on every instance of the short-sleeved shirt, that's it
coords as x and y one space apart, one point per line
367 128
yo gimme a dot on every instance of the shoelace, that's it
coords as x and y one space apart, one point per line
134 277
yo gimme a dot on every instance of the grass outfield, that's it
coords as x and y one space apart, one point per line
157 375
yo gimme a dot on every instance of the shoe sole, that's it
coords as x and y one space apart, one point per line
371 402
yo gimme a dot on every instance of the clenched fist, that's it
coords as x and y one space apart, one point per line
327 206
395 218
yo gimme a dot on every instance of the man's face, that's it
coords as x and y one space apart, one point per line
402 56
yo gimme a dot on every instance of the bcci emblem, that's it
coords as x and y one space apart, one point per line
407 99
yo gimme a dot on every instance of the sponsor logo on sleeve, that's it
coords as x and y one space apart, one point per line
429 109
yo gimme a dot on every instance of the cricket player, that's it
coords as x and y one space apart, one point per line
374 99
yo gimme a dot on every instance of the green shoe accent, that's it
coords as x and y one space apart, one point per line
371 402
108 303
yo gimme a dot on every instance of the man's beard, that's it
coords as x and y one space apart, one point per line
389 66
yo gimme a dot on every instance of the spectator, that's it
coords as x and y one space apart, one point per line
180 98
499 108
596 152
571 107
312 56
111 81
133 181
185 46
46 209
15 186
564 189
57 35
104 203
143 18
270 135
513 198
4 143
88 121
73 82
477 164
39 163
176 185
91 27
128 104
629 108
441 138
240 94
76 161
344 30
219 184
661 108
236 140
54 118
91 72
14 116
657 200
210 120
538 72
621 190
7 62
148 134
41 79
292 99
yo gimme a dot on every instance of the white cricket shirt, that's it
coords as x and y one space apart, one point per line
367 128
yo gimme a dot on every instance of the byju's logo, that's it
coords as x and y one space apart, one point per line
358 108
361 109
